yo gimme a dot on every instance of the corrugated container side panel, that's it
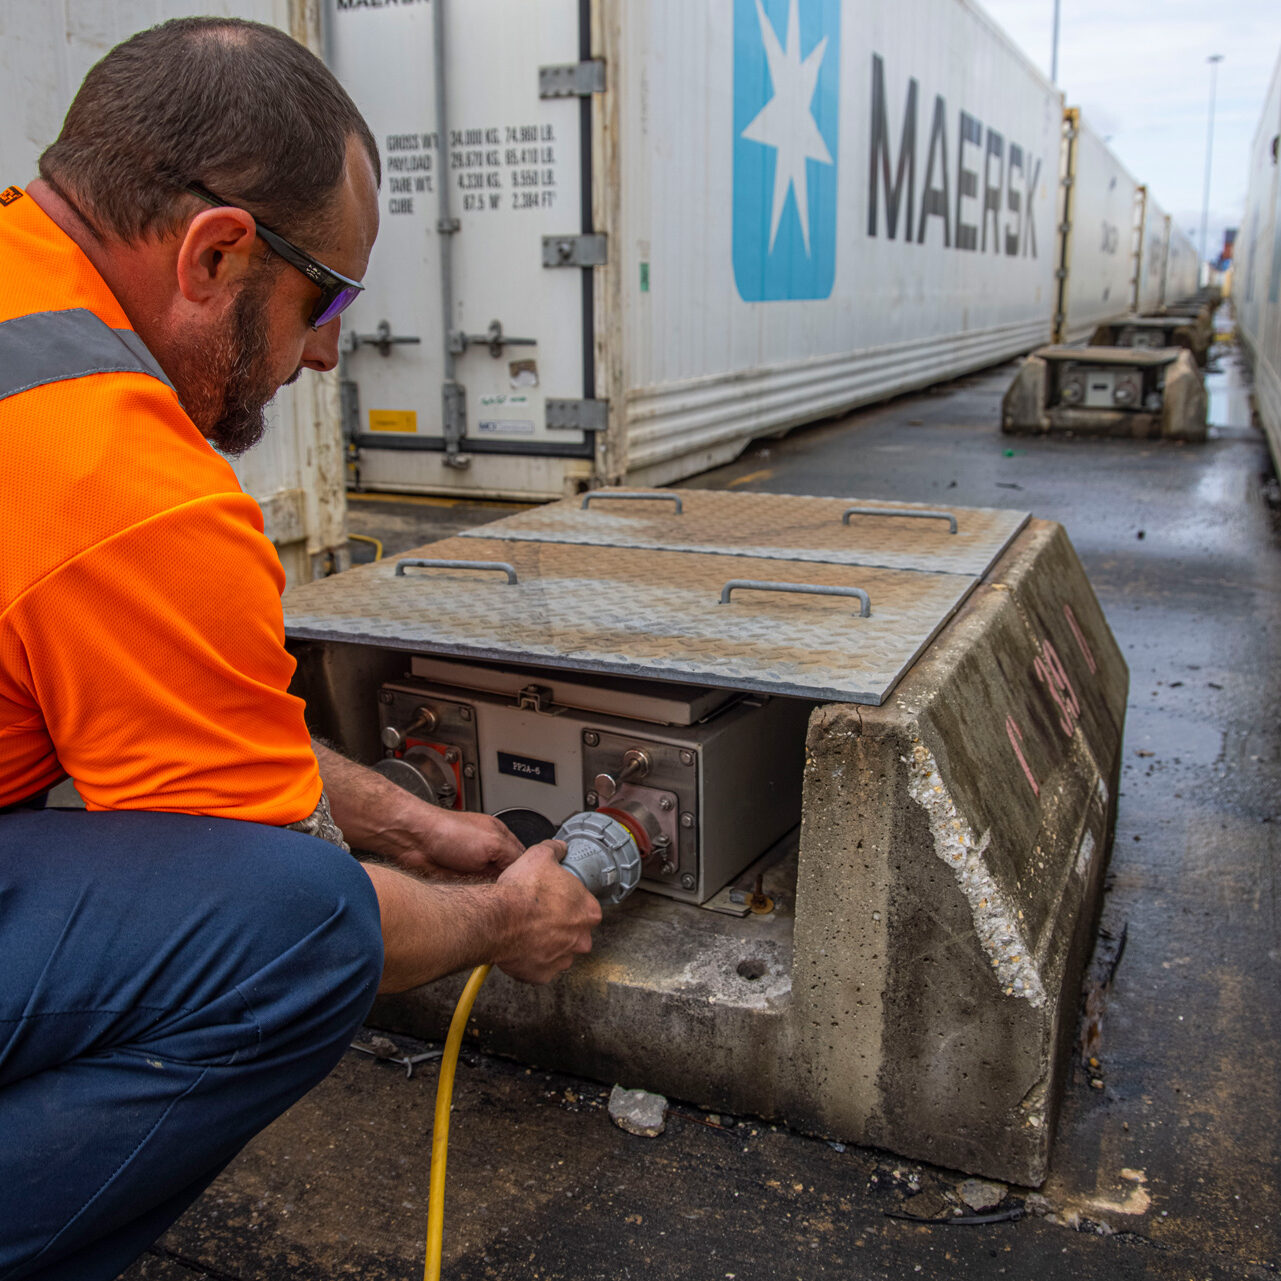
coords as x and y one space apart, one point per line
1256 290
741 315
1182 267
1152 266
296 474
1100 261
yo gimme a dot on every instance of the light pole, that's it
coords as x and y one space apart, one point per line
1214 59
1054 47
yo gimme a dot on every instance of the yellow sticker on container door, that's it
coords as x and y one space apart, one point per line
393 420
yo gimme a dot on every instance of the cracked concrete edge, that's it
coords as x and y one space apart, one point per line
903 1037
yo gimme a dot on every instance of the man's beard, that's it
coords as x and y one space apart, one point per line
226 394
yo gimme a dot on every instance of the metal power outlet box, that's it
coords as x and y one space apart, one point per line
720 791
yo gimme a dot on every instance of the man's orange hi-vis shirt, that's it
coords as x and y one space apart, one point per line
141 635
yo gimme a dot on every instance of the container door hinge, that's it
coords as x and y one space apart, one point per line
574 251
571 80
454 421
577 415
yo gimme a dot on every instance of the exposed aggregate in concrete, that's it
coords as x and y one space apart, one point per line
955 842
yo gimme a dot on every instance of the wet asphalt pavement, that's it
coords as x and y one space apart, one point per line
1166 1160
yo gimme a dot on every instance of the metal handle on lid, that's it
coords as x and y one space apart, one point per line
605 493
801 589
900 511
415 562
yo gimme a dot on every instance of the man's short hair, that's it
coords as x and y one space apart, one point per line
239 107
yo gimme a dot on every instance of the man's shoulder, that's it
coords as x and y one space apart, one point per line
102 454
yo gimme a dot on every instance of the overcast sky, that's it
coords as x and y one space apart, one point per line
1137 69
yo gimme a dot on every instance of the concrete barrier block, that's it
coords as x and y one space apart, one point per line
1023 405
952 854
1186 405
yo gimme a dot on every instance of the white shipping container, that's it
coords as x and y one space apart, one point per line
1153 244
297 473
766 213
1102 217
1256 272
1182 268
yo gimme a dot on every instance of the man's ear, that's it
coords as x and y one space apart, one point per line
215 255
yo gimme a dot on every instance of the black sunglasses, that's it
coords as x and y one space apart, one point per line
337 293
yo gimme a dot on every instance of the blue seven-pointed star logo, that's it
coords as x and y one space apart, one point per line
786 89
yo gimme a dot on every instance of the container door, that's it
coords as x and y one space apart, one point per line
494 394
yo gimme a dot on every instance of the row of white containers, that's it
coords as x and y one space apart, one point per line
690 224
1256 271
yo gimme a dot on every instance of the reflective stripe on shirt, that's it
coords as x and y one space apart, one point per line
54 346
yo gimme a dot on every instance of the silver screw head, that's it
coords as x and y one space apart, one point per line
687 819
591 738
469 770
451 755
688 881
687 757
666 803
385 696
591 800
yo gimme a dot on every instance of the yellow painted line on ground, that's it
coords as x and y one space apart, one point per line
751 476
431 500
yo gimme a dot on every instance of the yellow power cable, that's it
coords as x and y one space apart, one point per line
368 538
440 1130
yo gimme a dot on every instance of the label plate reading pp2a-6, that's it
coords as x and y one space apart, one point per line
527 767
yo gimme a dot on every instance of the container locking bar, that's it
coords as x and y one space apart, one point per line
418 562
635 498
801 589
901 511
493 338
382 338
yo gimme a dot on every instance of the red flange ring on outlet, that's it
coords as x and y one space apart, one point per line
643 843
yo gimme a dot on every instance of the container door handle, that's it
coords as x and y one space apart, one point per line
605 493
900 511
416 562
802 589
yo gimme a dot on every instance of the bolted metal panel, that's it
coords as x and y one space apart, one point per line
575 251
641 612
577 415
772 527
572 80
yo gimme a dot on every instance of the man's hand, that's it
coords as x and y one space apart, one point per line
378 816
531 923
557 915
470 844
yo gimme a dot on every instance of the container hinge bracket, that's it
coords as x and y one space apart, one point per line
577 415
575 251
571 79
453 397
448 226
1061 274
493 338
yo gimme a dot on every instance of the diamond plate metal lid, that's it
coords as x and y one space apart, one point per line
773 527
640 613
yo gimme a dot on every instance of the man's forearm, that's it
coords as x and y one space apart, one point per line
373 813
433 930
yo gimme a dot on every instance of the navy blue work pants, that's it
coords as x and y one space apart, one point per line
168 986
